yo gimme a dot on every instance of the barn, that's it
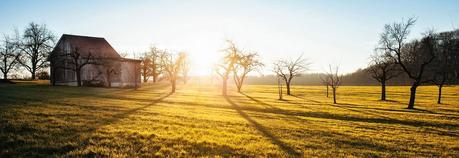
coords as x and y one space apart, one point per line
96 61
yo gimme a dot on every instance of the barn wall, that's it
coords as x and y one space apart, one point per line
130 74
127 72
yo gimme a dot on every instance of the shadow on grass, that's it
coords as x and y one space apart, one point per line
326 115
126 113
75 134
416 110
260 102
359 111
286 148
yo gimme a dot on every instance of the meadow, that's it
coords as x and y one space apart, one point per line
38 120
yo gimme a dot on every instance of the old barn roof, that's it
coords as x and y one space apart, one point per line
96 46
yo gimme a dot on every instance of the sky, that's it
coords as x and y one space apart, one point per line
342 33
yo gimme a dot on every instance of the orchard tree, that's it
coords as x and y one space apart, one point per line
145 67
413 58
446 64
35 46
185 66
75 60
288 69
226 66
245 64
382 69
334 80
8 56
172 67
325 81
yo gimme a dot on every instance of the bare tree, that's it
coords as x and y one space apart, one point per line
445 66
172 67
334 80
245 64
8 56
185 66
279 87
225 68
155 56
288 69
35 45
382 69
325 81
413 58
109 68
146 67
74 60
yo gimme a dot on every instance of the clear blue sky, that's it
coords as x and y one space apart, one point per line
337 32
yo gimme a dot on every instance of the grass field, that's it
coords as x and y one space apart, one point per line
37 120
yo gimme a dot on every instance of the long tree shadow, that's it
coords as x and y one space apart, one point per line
359 111
327 115
115 118
126 113
261 102
286 148
94 117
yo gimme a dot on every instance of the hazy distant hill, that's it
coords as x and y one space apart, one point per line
358 78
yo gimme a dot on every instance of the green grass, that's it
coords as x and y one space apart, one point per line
37 120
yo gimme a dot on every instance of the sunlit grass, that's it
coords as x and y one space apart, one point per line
40 120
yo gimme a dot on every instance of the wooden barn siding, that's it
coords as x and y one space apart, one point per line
128 74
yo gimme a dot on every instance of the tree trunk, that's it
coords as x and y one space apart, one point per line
33 74
287 84
239 86
439 94
136 73
5 76
383 90
154 78
78 76
327 90
334 95
173 82
412 96
224 79
279 88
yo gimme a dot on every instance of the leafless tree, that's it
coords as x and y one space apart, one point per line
225 68
279 87
74 60
413 58
288 69
172 66
185 66
334 80
146 67
109 68
155 55
382 69
446 64
35 45
8 56
245 64
325 81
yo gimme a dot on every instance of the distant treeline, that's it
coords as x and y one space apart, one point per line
361 77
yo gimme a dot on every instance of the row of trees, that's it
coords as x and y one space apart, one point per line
433 59
29 50
158 63
238 63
